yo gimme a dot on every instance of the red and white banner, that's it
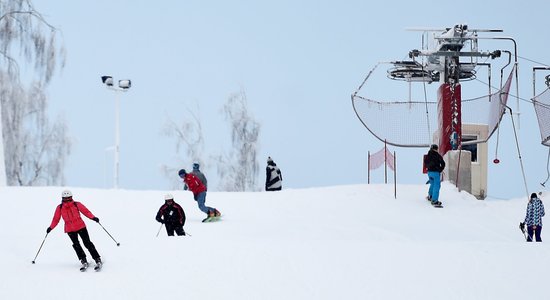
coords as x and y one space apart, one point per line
377 159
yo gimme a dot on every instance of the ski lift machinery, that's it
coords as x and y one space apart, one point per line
453 57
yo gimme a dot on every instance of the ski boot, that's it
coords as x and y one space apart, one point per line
98 264
84 265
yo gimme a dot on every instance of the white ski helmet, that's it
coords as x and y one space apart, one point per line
168 197
66 194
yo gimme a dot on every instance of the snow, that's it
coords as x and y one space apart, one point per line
339 242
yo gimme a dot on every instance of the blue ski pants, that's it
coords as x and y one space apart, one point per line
435 185
201 199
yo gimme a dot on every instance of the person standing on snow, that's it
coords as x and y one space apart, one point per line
435 165
533 218
273 176
172 216
199 193
70 211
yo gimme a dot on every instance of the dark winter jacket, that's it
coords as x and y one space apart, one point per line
273 177
535 212
171 214
434 162
70 212
194 183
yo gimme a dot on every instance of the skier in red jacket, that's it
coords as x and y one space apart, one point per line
199 193
70 211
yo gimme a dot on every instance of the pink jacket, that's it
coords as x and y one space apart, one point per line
70 211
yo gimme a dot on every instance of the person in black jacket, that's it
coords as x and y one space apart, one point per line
435 165
172 216
273 176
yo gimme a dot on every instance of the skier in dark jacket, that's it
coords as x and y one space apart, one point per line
533 218
196 186
70 211
273 176
172 216
435 165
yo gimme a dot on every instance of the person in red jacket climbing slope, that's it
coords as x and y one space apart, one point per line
70 211
199 193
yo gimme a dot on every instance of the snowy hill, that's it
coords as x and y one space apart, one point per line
339 242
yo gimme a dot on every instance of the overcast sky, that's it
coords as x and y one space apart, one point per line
298 63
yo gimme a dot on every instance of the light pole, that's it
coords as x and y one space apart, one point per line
123 86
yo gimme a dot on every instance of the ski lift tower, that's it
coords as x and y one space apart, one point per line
444 65
452 58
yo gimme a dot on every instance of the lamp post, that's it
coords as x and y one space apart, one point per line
123 86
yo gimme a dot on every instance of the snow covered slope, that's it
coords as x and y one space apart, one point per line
338 242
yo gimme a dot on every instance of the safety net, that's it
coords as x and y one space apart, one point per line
413 123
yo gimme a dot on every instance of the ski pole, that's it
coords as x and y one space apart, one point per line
34 260
117 243
161 224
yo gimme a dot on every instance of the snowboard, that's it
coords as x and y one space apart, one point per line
430 200
212 219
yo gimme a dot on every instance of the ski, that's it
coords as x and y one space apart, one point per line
84 267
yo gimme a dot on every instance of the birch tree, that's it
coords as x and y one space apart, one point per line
238 169
30 148
189 147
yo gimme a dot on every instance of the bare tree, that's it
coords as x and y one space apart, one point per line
30 144
36 151
189 137
238 169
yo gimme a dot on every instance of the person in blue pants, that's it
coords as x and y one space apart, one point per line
435 165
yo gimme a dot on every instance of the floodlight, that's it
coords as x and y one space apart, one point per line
107 80
125 84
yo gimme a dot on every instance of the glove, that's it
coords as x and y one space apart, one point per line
96 219
521 225
48 230
162 221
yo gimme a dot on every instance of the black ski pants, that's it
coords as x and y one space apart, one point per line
87 243
171 227
531 231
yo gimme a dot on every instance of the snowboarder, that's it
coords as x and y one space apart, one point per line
273 176
199 175
172 216
435 165
199 193
70 211
533 218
